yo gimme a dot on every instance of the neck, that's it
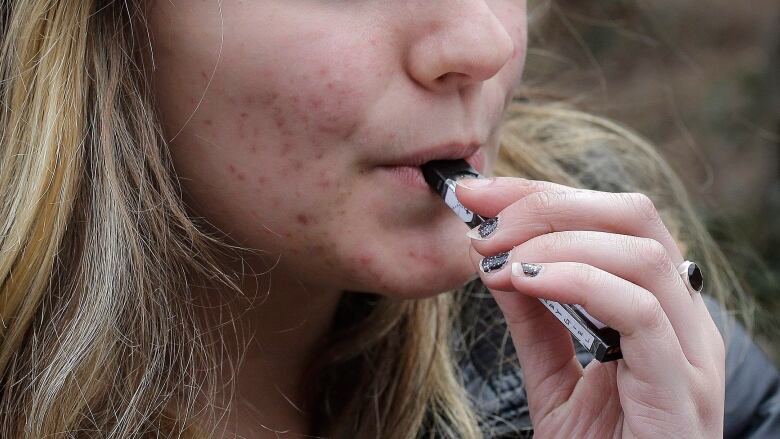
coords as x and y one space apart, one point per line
269 336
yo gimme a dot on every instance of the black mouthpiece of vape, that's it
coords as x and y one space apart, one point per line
441 176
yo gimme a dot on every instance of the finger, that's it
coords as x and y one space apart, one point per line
641 261
500 192
648 341
547 212
620 304
544 212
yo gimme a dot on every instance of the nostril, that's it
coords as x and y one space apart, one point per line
445 77
452 81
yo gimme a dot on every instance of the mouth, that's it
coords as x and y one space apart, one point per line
409 172
445 151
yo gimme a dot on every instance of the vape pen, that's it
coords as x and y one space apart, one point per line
600 340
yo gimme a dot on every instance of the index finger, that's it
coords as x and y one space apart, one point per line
503 192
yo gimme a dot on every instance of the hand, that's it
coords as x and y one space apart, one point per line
612 254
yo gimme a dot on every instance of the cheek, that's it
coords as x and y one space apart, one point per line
299 98
313 110
274 124
278 87
283 119
267 154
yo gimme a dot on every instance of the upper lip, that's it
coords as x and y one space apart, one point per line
444 151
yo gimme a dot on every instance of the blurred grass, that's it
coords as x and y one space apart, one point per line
702 81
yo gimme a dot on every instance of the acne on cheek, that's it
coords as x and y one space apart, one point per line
298 121
317 105
236 173
286 141
304 219
325 110
363 265
294 114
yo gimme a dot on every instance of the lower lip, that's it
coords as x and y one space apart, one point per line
407 175
412 175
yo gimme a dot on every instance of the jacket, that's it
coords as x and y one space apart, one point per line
752 405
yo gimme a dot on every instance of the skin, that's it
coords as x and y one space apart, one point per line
279 114
612 254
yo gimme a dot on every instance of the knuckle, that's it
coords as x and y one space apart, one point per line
586 277
542 208
643 205
541 202
649 312
552 243
653 254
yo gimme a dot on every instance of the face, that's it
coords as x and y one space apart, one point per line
283 113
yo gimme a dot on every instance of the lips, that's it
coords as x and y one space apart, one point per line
477 160
471 152
412 176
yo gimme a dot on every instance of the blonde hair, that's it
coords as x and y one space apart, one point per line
99 335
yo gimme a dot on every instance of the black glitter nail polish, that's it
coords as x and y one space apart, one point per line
488 227
493 263
531 270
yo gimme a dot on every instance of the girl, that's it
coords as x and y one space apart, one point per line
214 226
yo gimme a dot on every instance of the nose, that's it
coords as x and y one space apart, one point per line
467 45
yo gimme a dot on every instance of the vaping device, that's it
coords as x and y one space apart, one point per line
599 339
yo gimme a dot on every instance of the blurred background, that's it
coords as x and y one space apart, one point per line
701 80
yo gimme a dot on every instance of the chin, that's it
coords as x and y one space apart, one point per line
424 288
419 268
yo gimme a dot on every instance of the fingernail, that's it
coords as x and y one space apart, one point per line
474 183
524 269
484 230
494 263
